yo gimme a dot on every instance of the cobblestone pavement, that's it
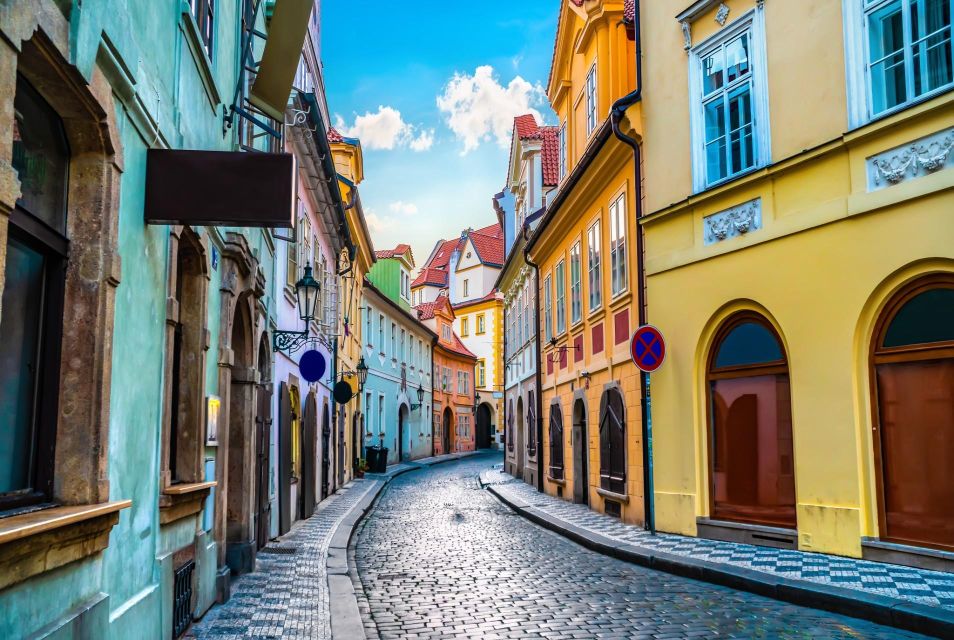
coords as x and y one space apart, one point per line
287 594
440 557
931 588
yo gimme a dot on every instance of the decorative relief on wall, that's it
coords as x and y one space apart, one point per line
919 158
686 34
733 222
723 14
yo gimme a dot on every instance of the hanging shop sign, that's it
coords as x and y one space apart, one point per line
343 392
312 365
648 348
220 188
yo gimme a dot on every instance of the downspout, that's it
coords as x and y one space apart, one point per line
616 115
538 373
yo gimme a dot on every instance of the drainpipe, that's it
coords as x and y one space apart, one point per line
537 376
616 115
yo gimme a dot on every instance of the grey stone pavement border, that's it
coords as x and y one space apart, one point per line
902 597
301 587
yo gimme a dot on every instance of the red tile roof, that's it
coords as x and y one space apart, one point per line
334 136
428 276
425 310
489 296
458 347
526 127
629 10
399 250
551 156
489 244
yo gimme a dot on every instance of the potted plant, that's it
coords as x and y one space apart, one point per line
362 467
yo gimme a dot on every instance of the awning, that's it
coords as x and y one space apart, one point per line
286 36
220 188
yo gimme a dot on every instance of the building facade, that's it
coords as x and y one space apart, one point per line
532 176
397 395
588 291
802 274
453 408
146 339
391 274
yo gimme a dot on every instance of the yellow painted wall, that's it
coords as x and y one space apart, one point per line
828 255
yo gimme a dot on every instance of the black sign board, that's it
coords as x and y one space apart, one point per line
220 188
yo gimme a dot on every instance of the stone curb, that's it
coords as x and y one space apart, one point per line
346 621
909 616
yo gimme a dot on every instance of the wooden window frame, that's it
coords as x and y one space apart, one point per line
893 355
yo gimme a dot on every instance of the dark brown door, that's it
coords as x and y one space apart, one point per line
445 438
581 489
309 453
263 444
913 363
325 453
284 459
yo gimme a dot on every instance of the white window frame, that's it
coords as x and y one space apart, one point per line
592 98
576 283
548 306
752 22
561 137
860 99
618 223
559 276
594 264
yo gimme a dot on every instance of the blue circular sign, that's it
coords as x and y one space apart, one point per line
312 366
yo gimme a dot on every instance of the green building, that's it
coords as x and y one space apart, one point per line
391 274
134 354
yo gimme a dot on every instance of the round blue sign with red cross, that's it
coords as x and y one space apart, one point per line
648 348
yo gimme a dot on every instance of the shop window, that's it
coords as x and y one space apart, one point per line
32 319
752 469
913 379
556 442
612 442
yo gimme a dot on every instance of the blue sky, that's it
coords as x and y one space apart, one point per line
411 79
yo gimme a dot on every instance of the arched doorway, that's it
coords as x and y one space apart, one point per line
446 430
263 446
240 486
309 455
484 425
581 482
555 434
402 426
520 426
751 460
325 451
912 360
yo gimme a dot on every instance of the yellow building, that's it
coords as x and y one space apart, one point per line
352 269
800 261
589 413
479 323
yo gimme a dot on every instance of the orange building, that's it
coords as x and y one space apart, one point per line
453 401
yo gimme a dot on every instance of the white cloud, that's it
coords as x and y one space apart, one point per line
385 129
377 224
423 141
478 108
406 208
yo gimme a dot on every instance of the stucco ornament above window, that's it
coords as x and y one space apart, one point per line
737 221
699 8
723 14
917 159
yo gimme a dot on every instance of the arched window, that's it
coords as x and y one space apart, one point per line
556 441
612 442
32 300
913 384
752 470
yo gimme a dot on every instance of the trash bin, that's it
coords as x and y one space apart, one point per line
382 465
371 455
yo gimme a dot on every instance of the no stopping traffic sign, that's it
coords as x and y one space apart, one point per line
648 348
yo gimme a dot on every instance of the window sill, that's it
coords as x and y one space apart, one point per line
40 541
621 300
612 495
560 481
178 501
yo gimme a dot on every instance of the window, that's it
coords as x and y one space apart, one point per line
531 425
413 352
203 12
291 274
369 328
527 317
381 332
368 404
393 340
481 324
593 250
618 246
381 431
561 140
591 100
576 284
466 287
36 258
752 467
908 51
445 380
510 425
729 103
465 327
446 332
481 374
403 357
612 442
556 442
912 374
548 308
560 276
294 399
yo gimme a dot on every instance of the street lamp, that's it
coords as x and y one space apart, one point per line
362 370
420 398
306 293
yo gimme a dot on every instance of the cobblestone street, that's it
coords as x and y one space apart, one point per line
440 557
